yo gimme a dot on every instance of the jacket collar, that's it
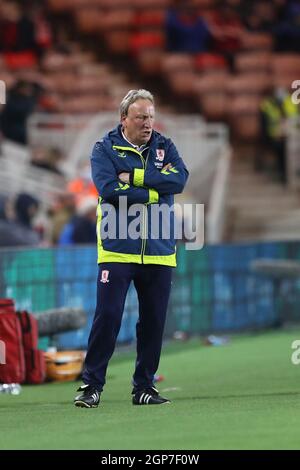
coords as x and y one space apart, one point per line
139 148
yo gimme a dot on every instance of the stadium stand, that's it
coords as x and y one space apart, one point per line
84 55
138 31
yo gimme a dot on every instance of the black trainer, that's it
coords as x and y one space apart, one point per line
89 398
148 396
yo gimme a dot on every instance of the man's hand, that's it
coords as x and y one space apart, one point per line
124 177
167 167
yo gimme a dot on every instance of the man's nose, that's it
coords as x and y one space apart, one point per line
147 121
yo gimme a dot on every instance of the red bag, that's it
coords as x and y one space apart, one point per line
13 371
19 334
35 366
34 360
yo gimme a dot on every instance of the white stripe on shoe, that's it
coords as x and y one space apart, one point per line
142 397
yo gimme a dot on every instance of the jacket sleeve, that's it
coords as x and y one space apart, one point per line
165 181
109 187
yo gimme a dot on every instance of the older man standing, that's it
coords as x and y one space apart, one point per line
137 162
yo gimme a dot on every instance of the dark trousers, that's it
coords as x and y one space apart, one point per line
153 285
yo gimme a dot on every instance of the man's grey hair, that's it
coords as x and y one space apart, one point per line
131 97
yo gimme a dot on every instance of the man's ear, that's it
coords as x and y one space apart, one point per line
123 119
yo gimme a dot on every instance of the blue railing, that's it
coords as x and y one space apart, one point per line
213 290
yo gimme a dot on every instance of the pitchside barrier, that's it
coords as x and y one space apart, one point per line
214 289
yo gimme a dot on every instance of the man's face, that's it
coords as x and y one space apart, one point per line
138 124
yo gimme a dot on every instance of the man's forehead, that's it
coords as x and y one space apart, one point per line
142 105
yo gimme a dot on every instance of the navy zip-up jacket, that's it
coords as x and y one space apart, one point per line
149 186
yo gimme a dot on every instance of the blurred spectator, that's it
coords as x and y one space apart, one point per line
21 102
82 227
83 185
237 5
287 32
47 158
17 30
43 33
16 232
62 213
276 111
226 29
26 207
186 31
261 15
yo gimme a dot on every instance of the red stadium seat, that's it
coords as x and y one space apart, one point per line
20 60
118 41
59 5
151 4
117 19
285 63
204 3
88 20
150 18
284 79
243 114
253 61
257 41
207 61
182 83
245 127
88 104
244 104
212 82
149 39
176 62
214 105
249 83
149 61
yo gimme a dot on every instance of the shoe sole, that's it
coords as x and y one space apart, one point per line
149 404
82 404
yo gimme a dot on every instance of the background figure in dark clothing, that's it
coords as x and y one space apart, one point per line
185 30
47 158
287 31
82 227
17 30
26 207
17 232
275 112
21 102
226 30
85 223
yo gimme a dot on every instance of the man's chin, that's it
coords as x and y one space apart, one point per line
145 138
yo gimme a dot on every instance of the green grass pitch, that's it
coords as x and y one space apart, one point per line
245 395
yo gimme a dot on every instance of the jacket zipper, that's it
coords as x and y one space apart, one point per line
144 163
145 212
